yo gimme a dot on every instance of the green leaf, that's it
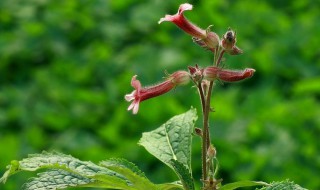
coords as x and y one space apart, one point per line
184 174
137 179
56 179
170 186
235 185
11 169
283 185
120 162
67 171
57 160
172 140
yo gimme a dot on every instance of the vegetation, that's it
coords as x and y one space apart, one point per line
66 65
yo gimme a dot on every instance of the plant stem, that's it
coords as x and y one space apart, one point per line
220 58
204 134
202 97
207 112
206 109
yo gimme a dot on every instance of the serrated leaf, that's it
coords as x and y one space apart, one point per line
283 185
101 176
123 167
57 160
184 174
172 140
120 162
238 184
56 179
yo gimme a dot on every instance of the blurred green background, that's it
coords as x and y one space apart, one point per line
65 66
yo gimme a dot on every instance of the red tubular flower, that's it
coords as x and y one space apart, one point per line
140 94
212 73
183 23
234 76
205 38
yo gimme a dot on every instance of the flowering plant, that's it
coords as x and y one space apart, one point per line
170 143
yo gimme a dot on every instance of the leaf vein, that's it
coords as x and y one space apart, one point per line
168 141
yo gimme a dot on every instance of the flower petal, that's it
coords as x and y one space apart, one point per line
184 7
130 97
171 18
136 107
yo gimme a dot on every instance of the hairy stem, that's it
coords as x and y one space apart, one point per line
202 96
206 109
204 132
220 58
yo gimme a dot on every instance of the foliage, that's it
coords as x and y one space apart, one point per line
66 171
171 143
283 185
63 171
65 66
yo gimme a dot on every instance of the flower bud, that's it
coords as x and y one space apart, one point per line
180 78
198 131
196 73
212 40
229 40
213 72
228 43
211 152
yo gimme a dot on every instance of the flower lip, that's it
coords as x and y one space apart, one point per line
134 96
184 23
171 18
185 7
